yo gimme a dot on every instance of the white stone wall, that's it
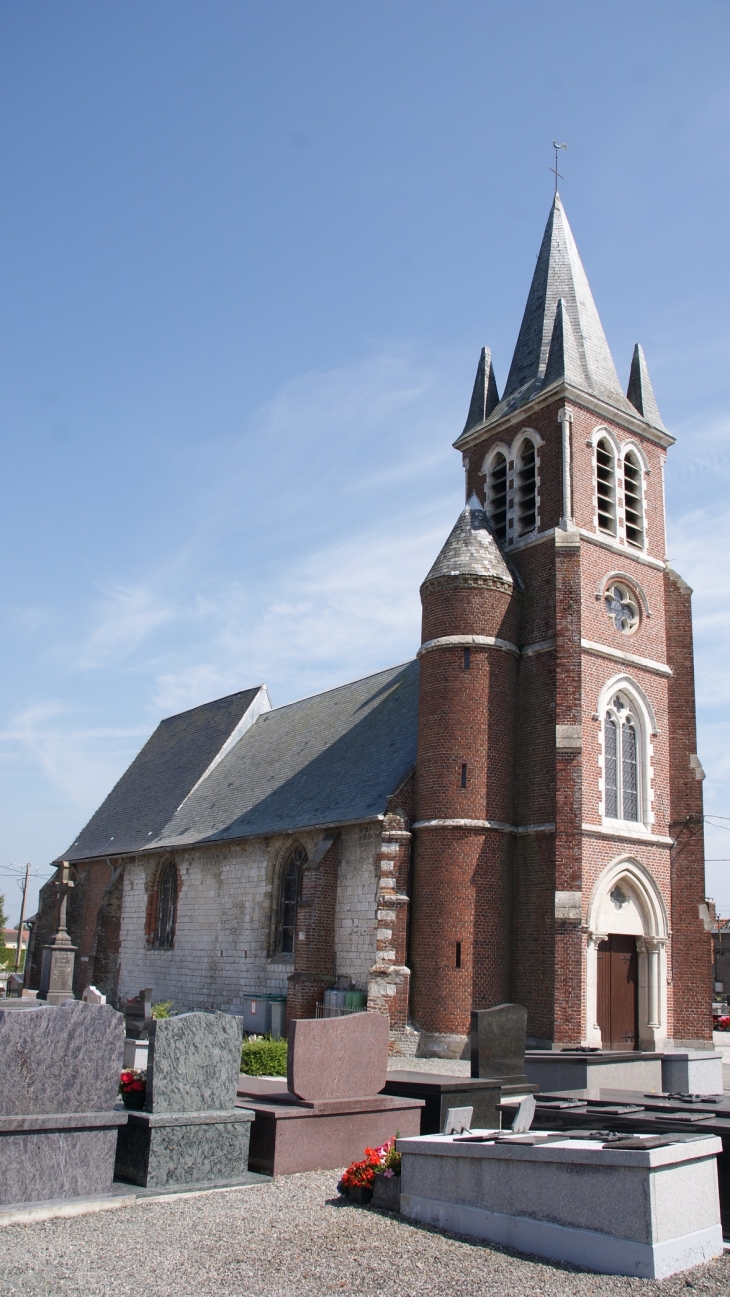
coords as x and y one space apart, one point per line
224 922
356 912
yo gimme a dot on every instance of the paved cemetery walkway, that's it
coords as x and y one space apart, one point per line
294 1238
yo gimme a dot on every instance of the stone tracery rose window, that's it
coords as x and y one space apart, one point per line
622 607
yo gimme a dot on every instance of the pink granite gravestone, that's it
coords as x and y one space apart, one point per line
338 1058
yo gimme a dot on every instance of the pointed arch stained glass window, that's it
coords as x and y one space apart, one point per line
621 771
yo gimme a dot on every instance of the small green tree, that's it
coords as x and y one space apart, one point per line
7 954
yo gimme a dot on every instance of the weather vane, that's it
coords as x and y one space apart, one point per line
554 169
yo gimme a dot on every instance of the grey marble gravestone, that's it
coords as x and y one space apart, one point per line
190 1132
498 1037
60 1075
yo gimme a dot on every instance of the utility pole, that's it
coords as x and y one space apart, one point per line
22 916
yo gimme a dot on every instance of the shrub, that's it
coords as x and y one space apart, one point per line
163 1009
262 1056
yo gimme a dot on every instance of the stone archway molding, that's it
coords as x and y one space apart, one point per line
640 886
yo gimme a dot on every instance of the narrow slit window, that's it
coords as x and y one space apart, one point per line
458 954
467 659
632 500
498 496
463 776
606 487
526 489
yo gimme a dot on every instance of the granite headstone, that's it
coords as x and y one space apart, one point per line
338 1058
498 1037
190 1132
58 1124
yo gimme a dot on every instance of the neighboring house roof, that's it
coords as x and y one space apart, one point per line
334 758
179 753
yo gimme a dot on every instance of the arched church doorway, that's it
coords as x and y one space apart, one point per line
617 997
626 961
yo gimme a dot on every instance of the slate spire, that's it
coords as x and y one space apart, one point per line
563 360
484 397
640 391
559 276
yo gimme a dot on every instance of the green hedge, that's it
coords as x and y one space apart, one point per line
264 1057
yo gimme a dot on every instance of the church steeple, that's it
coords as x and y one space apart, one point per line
484 397
560 278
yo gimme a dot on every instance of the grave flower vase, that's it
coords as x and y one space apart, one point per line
386 1192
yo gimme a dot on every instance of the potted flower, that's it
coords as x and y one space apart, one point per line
357 1182
133 1088
386 1179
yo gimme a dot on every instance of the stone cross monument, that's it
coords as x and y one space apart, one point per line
57 968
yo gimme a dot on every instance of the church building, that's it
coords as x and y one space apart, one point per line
514 815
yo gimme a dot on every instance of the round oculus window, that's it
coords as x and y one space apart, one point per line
622 607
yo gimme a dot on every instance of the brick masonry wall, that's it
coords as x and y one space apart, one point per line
692 943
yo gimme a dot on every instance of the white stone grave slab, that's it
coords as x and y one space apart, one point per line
644 1212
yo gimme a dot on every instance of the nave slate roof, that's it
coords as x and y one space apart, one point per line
334 758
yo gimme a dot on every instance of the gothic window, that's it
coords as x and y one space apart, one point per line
622 607
526 489
289 900
606 486
633 503
497 495
166 907
621 741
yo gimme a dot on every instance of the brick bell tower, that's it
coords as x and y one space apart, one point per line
558 844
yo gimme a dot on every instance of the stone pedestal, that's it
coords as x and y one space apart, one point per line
58 1124
604 1069
439 1093
692 1071
169 1150
57 973
191 1132
136 1054
291 1135
648 1212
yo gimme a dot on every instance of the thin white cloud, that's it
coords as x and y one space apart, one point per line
125 617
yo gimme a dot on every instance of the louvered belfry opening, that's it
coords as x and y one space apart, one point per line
526 489
498 496
633 500
606 487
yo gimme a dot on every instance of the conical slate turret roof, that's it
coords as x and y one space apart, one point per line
485 396
471 549
641 392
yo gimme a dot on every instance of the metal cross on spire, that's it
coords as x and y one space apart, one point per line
554 169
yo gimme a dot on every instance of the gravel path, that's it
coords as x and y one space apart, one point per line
292 1238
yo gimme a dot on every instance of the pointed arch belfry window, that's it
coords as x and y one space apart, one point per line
621 761
526 488
606 486
497 495
633 499
289 892
166 907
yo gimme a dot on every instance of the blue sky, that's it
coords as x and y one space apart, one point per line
248 255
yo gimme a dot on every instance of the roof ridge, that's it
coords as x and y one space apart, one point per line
345 685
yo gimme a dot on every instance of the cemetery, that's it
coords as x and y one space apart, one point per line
623 1182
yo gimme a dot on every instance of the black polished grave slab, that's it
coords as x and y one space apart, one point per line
440 1093
498 1037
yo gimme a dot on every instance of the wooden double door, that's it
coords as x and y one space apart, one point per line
618 992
